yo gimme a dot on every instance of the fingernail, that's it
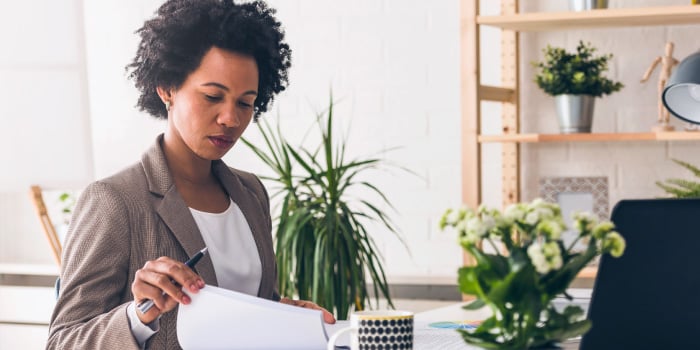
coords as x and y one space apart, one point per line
193 287
201 283
186 300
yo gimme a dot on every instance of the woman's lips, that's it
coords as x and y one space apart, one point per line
221 141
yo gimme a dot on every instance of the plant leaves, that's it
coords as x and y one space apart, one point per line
474 305
324 252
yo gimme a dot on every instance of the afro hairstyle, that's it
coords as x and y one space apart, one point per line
174 41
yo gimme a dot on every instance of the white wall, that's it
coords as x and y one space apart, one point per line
120 133
44 115
394 67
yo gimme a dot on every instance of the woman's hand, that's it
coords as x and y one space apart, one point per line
155 278
327 316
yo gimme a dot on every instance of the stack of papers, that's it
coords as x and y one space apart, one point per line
218 318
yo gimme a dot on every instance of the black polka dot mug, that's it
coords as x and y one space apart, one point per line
378 330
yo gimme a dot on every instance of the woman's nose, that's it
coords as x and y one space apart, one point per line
229 118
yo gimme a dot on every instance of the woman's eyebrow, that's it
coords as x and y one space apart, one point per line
225 88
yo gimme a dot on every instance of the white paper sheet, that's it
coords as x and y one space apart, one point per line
425 337
222 319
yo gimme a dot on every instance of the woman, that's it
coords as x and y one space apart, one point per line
208 67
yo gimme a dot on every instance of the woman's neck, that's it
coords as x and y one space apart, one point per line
185 166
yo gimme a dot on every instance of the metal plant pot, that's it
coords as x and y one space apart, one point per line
575 113
585 5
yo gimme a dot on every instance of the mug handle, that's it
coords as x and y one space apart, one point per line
334 337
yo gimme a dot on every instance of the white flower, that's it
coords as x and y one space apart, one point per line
583 216
503 221
584 222
545 258
538 259
461 228
556 262
537 202
551 249
452 217
514 212
614 244
459 214
445 219
550 228
532 218
476 228
488 222
602 229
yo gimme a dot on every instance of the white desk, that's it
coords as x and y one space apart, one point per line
455 312
24 316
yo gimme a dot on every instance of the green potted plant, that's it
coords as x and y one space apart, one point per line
324 251
575 80
522 264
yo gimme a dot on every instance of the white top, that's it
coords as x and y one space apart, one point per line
233 252
231 248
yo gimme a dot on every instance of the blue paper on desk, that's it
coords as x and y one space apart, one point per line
218 318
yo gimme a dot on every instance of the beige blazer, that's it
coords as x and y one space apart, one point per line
121 222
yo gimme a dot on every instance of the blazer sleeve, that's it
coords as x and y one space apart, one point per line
275 294
90 312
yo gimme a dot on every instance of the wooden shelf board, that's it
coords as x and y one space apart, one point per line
588 272
589 137
29 269
602 18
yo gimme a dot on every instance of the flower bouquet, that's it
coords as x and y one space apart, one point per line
522 264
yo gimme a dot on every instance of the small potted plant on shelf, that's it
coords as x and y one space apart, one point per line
575 80
522 264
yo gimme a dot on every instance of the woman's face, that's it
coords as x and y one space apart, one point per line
214 105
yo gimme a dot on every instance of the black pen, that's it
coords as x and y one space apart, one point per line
147 304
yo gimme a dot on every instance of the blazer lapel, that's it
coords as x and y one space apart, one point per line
178 218
173 211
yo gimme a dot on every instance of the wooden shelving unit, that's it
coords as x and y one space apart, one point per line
606 18
473 93
613 137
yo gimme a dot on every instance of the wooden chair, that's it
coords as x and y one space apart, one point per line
47 225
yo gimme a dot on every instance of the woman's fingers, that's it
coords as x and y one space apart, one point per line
152 285
160 281
177 272
327 316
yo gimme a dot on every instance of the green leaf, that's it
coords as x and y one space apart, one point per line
469 282
574 73
474 305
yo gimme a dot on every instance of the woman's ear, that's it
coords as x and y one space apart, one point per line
164 94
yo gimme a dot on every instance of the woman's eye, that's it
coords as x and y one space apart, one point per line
213 98
245 105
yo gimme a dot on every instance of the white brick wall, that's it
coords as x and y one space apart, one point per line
394 66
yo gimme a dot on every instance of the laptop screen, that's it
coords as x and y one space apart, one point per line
650 297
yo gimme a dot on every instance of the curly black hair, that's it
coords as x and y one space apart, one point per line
174 41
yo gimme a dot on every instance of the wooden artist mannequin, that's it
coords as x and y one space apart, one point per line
667 63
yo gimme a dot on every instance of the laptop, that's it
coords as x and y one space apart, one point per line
650 297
